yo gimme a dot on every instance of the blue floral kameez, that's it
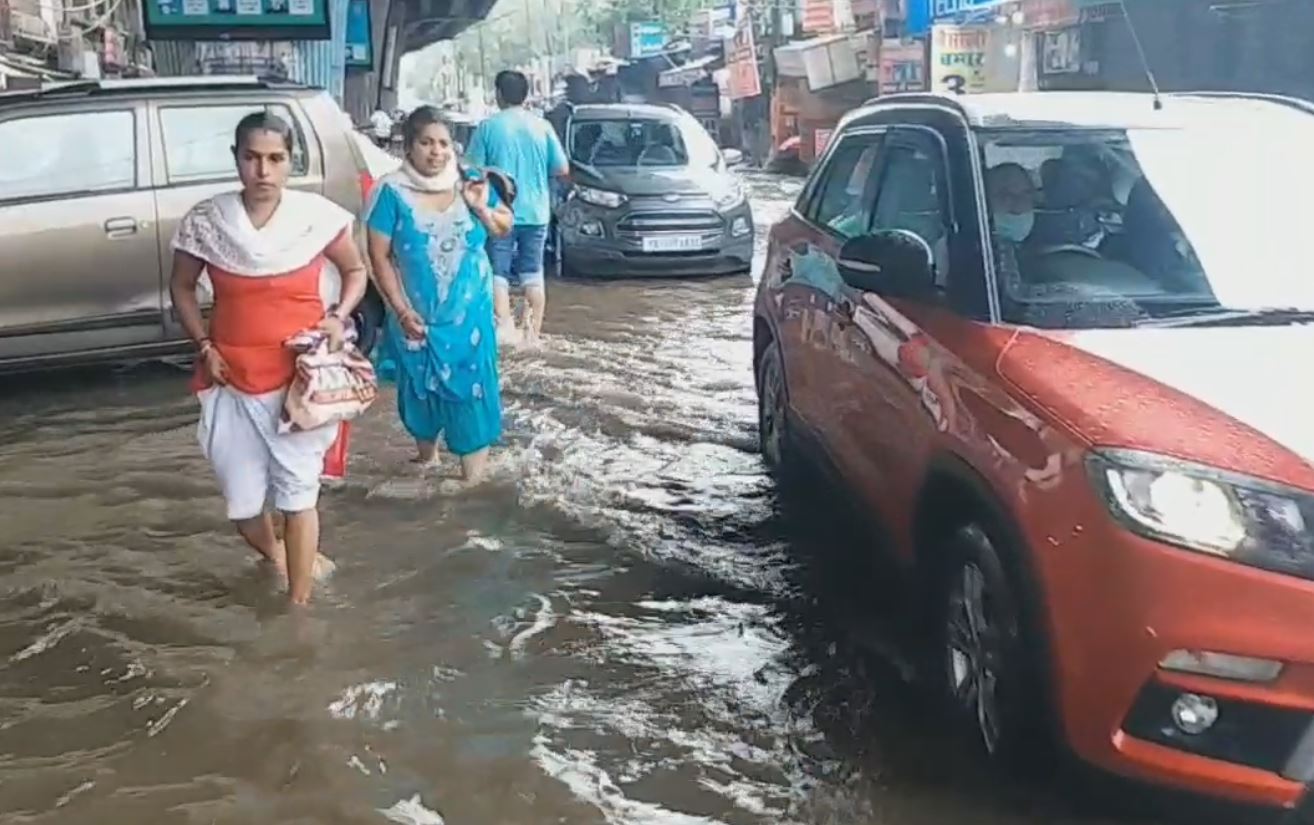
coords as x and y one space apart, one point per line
447 385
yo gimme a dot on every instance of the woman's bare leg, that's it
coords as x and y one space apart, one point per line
474 467
536 297
259 533
302 539
426 452
506 321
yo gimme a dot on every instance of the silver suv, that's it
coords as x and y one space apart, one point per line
93 178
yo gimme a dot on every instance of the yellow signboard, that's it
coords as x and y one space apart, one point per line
959 57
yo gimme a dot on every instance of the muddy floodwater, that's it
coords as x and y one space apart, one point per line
624 627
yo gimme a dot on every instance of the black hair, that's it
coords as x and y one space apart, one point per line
419 120
262 122
512 86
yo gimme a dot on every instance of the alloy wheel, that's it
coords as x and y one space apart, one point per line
975 652
771 412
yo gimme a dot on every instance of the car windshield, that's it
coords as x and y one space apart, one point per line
628 142
1114 228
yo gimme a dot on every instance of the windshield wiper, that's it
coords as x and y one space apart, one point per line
1225 316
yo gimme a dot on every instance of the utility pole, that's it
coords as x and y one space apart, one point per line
483 64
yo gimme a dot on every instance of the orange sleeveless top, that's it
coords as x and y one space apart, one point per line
252 317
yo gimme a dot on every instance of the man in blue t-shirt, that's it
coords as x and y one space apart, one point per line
523 145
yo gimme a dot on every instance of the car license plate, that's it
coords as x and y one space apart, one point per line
673 243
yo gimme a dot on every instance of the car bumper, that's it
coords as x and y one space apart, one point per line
602 259
1118 604
615 245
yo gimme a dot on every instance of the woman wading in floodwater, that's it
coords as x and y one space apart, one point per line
427 229
264 249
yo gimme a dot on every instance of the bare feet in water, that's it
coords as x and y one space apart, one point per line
509 335
324 566
426 454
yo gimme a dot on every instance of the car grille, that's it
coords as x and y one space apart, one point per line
670 221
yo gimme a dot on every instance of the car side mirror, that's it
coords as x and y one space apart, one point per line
893 262
733 157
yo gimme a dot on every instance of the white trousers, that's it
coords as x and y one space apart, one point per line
254 462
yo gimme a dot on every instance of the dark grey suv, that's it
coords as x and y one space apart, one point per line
653 195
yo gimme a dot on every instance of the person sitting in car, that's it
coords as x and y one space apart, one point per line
1055 281
1012 196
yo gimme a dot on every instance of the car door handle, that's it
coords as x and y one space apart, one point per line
120 227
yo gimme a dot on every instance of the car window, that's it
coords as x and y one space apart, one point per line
1125 227
198 141
911 196
628 142
52 155
843 200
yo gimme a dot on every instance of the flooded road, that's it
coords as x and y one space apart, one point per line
622 628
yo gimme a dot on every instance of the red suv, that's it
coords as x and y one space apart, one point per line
1031 334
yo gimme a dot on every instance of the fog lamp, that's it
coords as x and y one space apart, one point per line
740 227
591 228
1194 714
1222 665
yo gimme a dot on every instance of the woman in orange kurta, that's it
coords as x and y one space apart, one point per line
264 249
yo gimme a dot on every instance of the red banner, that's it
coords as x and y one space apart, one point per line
742 65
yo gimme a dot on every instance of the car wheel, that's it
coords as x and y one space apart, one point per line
773 412
368 318
986 673
560 268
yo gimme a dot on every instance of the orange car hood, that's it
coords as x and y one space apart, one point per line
1207 394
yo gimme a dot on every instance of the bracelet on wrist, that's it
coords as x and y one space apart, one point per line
204 345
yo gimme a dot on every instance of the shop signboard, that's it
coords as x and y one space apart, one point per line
958 58
276 59
1060 51
742 58
360 36
941 9
820 140
922 14
647 39
1051 14
903 67
236 19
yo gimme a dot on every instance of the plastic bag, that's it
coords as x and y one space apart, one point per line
328 387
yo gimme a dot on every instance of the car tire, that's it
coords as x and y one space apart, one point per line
558 267
989 680
775 441
368 318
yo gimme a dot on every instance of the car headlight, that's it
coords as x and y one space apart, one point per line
729 196
1243 519
599 197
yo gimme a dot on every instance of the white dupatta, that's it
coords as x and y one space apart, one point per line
219 232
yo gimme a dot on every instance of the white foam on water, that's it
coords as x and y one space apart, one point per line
160 724
412 812
726 729
364 701
45 641
579 771
544 619
403 489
